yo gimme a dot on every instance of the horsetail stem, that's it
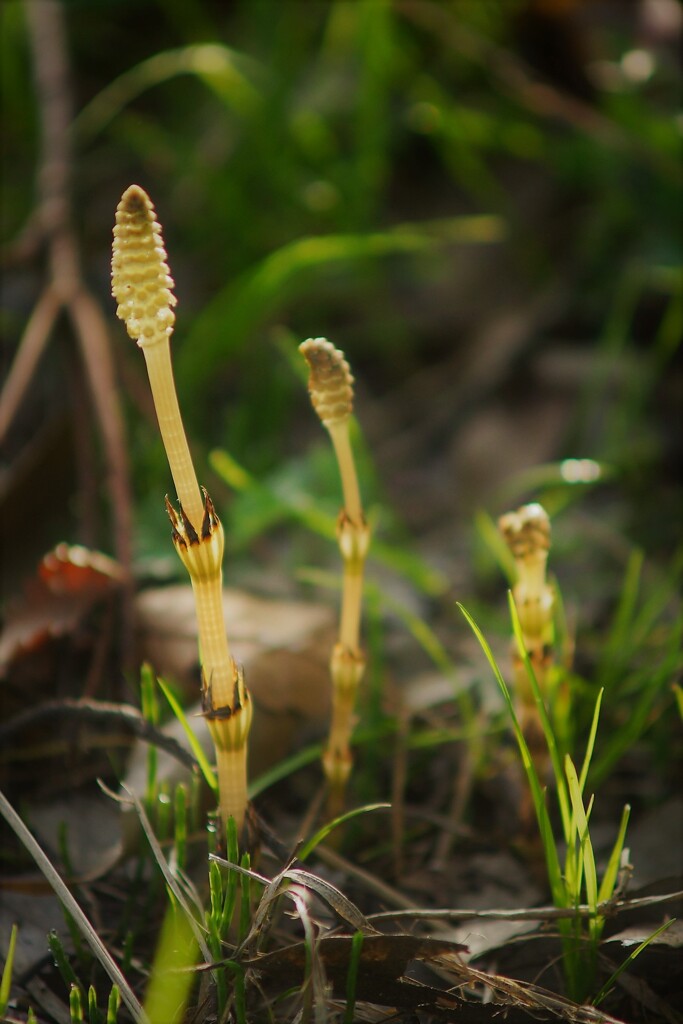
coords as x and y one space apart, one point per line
527 534
331 389
141 285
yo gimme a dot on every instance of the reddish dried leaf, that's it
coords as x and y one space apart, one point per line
70 580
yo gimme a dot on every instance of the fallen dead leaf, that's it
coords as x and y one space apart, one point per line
69 581
284 649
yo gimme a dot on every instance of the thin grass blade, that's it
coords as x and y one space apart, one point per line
113 1005
169 877
6 982
322 833
612 870
554 872
611 981
352 977
584 835
195 745
284 768
91 936
171 978
560 783
620 640
591 742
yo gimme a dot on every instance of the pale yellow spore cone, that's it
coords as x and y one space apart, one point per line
330 383
141 285
527 534
141 280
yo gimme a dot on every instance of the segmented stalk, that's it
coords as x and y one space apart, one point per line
141 285
527 534
331 390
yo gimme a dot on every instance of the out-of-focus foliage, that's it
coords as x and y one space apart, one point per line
338 167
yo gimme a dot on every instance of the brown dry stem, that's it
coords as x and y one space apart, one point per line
66 289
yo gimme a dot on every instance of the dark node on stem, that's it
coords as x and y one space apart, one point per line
210 521
228 710
190 531
175 532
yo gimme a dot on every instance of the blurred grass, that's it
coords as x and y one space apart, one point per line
333 168
287 154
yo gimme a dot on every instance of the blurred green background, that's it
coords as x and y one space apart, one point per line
478 200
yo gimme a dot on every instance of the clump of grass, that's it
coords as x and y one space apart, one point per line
141 285
574 881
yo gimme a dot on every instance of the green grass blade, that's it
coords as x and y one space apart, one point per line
113 1005
6 982
180 824
282 769
432 646
496 545
611 981
62 962
245 898
620 641
195 745
352 977
170 981
548 732
150 711
213 939
293 269
554 872
93 1012
612 870
646 687
662 597
584 835
322 833
572 876
223 70
276 507
422 633
678 696
215 898
232 854
75 1005
240 994
311 754
591 742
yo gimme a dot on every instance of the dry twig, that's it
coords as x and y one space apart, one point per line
66 289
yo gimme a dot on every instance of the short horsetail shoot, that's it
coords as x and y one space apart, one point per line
331 388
